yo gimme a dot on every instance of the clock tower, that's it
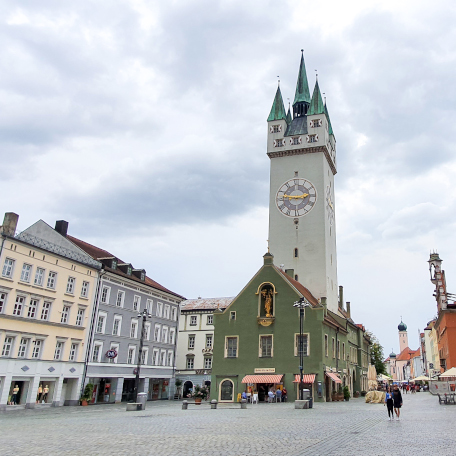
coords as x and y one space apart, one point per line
302 150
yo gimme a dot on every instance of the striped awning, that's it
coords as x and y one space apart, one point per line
306 378
333 377
262 379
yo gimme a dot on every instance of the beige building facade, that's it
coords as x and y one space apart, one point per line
47 290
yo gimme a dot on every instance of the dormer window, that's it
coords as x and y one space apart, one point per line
129 270
114 264
143 276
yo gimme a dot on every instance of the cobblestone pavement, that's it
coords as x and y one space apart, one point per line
340 428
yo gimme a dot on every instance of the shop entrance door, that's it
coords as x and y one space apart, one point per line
128 391
16 392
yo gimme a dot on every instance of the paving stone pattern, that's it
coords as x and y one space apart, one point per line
341 428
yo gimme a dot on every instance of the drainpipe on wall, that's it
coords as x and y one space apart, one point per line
91 330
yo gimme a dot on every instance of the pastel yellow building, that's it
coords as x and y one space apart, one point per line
47 290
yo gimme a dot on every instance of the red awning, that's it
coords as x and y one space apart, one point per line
306 378
262 379
333 377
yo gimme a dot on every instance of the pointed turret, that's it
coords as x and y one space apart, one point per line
330 128
289 118
278 109
302 94
316 104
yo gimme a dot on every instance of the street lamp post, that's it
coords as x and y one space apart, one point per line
145 315
301 303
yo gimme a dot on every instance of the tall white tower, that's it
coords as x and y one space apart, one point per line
403 337
302 149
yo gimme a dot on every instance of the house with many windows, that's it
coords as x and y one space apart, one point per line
125 291
196 341
47 289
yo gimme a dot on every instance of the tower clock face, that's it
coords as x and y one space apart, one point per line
296 197
329 205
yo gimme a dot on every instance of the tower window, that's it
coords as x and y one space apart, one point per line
279 143
297 140
313 138
296 253
276 128
296 174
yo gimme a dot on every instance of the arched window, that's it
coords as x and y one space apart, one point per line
226 390
296 252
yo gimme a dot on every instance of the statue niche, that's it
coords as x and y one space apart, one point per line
267 301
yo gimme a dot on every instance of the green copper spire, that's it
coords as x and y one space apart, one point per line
316 104
302 93
277 110
330 128
289 118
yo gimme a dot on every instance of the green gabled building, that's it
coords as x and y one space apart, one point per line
256 337
256 344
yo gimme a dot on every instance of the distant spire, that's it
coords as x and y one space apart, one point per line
316 104
278 109
302 93
289 118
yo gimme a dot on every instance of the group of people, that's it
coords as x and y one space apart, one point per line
393 402
279 395
406 388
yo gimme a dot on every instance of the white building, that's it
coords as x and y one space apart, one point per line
195 341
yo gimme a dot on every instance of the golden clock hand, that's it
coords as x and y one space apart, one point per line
304 195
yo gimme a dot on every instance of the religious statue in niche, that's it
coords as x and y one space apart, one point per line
267 295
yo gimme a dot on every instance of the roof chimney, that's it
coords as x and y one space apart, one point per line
341 296
290 273
61 226
9 224
348 309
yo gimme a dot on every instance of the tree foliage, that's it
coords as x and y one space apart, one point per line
376 354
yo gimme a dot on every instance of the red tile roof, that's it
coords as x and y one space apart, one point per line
301 288
407 354
205 304
97 253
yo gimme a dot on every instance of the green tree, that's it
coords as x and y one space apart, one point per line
376 354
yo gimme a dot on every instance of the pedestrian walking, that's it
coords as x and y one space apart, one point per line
389 403
397 401
284 395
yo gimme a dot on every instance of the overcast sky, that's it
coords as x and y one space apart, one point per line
143 124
